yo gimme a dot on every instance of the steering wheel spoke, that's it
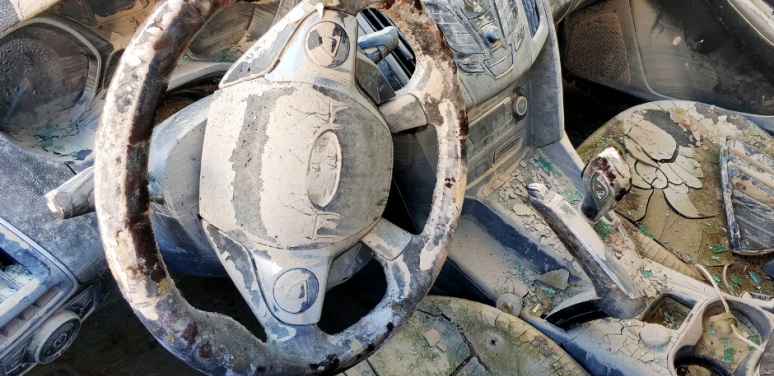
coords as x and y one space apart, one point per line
289 285
387 241
403 112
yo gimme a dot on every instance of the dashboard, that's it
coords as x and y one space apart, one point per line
495 44
56 67
494 41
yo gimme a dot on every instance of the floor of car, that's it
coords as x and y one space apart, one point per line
113 341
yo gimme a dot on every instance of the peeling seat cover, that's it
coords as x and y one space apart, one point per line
453 336
673 148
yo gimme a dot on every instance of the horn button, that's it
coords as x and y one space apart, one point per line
296 169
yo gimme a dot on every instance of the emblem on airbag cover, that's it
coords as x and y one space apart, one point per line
322 179
296 290
327 44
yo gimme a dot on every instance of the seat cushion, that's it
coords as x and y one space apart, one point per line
676 198
448 335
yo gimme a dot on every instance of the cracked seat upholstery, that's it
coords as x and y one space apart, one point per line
452 336
675 208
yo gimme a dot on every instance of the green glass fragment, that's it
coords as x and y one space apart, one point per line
603 229
719 249
646 273
228 55
716 258
728 356
736 280
578 195
690 259
645 231
546 166
547 289
755 277
48 129
716 277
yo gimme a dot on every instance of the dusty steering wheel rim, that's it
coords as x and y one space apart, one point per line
213 343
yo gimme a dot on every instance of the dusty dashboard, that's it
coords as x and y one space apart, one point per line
494 41
505 62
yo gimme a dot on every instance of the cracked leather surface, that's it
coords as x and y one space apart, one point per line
675 208
473 339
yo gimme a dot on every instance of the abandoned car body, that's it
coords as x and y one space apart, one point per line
355 133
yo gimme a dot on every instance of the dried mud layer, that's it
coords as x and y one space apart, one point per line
540 293
675 203
452 336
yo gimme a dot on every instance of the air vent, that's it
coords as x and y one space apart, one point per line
13 277
22 319
399 66
533 15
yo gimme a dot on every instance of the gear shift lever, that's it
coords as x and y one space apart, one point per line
616 294
606 178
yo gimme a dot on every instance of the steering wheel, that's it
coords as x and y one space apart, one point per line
296 169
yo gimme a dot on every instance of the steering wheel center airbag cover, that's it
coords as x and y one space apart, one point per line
293 166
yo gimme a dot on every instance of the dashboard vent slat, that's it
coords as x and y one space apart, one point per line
533 15
402 59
